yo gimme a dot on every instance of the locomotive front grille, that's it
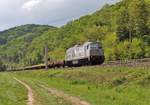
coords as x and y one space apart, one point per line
95 53
97 59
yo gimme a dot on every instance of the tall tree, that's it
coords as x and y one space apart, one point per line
122 22
138 17
132 19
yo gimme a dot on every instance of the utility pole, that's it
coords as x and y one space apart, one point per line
46 56
130 36
130 41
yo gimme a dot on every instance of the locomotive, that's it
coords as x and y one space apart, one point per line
90 53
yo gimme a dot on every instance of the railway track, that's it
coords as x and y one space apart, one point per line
120 63
131 63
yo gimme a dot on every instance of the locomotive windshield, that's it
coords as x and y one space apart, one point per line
95 46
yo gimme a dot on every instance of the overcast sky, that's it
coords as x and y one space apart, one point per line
51 12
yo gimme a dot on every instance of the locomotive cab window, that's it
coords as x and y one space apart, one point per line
94 46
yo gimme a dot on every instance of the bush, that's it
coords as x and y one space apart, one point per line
2 66
109 44
147 51
126 50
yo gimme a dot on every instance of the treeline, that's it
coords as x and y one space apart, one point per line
123 29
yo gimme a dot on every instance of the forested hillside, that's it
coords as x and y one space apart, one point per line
112 25
14 42
123 29
24 30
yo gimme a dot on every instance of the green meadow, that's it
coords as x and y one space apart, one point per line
11 92
96 85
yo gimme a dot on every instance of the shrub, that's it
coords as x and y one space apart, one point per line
2 66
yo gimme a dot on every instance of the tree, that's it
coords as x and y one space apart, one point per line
138 17
132 20
122 22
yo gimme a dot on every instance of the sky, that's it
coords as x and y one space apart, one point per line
46 12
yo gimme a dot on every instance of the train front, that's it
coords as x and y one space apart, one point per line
96 53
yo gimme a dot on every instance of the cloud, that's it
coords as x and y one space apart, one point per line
52 12
31 4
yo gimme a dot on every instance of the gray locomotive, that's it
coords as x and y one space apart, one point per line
90 53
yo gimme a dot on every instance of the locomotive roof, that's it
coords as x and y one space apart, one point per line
86 43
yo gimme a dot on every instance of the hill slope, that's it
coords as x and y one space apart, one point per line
13 33
15 41
112 25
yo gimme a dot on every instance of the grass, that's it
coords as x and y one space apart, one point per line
11 92
42 96
97 85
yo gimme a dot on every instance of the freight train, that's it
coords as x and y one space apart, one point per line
89 53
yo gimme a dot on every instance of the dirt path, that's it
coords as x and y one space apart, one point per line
73 100
30 92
